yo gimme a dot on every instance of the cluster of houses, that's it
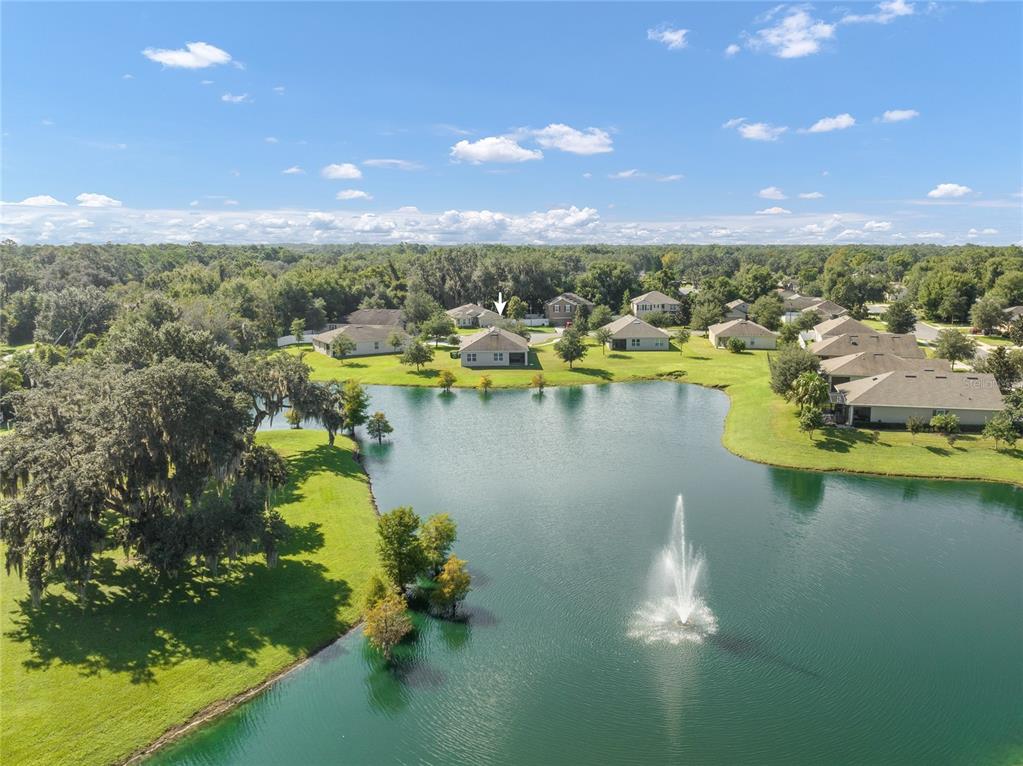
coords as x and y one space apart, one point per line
876 378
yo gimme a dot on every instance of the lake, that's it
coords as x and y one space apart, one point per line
858 619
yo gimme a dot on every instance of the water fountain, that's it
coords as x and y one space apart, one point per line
675 611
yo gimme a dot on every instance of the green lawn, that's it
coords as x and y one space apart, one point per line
90 685
760 426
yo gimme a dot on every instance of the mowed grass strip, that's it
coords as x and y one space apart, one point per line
91 684
760 425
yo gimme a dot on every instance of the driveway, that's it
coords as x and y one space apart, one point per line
539 338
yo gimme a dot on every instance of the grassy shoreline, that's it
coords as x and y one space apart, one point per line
120 673
759 426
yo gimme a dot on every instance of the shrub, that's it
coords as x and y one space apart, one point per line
736 345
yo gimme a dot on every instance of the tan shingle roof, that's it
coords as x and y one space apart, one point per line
953 390
868 363
740 328
578 300
359 332
841 326
654 296
827 308
629 326
735 304
874 342
472 310
494 339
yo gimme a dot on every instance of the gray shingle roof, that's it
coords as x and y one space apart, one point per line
867 363
473 311
740 328
359 332
952 390
841 326
578 300
655 296
629 326
875 342
494 339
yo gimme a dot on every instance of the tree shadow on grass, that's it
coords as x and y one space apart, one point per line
594 372
137 623
428 374
322 458
845 439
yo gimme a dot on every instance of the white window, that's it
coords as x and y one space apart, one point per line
634 342
498 356
470 357
376 345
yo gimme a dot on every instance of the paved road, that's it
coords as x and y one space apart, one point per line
926 332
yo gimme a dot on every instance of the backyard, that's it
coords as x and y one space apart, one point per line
94 683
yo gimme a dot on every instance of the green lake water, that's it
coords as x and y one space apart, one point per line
859 620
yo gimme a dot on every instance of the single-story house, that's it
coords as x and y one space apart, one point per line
750 333
794 306
473 315
688 290
494 347
866 364
893 397
368 338
874 342
839 326
737 309
629 333
393 317
1013 312
655 300
561 309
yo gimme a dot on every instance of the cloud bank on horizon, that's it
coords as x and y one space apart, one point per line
624 134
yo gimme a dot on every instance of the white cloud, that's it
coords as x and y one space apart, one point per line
811 195
393 164
848 233
734 122
625 174
493 149
674 39
981 232
795 35
97 200
46 122
568 139
192 56
41 200
771 192
279 90
886 12
774 211
230 98
194 203
342 171
949 190
758 131
205 82
349 194
877 226
732 50
899 115
670 178
587 175
929 235
294 170
271 140
127 77
231 202
828 124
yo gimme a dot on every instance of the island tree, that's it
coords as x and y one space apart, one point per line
452 586
354 405
378 427
437 535
447 380
387 623
539 382
401 551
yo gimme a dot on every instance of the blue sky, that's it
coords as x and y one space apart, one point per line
696 122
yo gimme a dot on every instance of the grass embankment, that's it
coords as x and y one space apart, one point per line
760 426
92 684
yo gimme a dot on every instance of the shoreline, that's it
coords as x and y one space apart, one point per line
217 709
220 708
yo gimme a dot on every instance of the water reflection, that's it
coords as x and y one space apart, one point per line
803 490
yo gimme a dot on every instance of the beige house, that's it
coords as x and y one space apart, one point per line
562 309
842 369
737 309
655 300
368 339
630 333
793 307
494 347
893 397
750 333
839 326
473 315
873 342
